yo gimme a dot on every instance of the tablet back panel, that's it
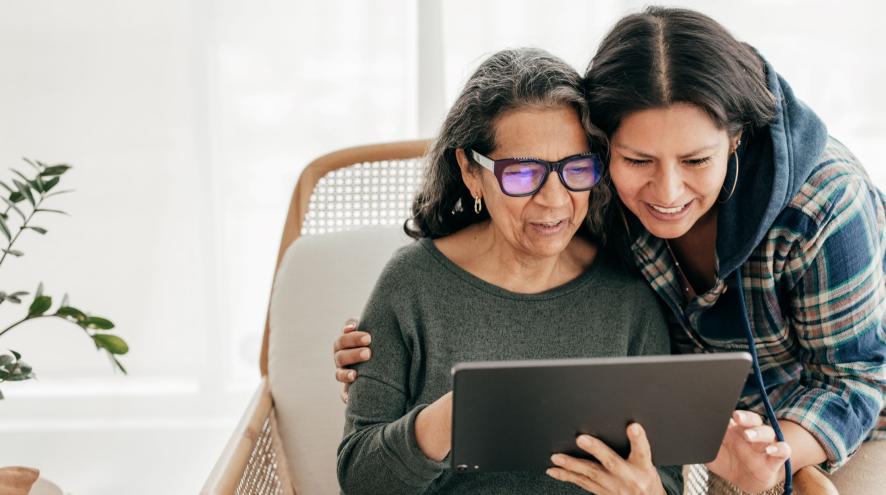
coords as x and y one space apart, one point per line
512 415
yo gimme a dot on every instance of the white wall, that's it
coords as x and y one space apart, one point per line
189 121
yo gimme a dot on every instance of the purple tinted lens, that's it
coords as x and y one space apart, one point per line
522 177
581 173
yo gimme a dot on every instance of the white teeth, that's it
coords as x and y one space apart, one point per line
550 224
669 211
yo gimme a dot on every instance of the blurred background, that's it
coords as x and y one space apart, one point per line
187 123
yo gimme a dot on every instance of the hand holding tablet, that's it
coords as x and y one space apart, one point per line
514 415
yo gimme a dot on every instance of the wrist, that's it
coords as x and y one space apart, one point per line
433 429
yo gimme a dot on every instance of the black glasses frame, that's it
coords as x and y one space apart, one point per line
497 167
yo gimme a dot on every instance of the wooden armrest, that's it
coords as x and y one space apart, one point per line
232 464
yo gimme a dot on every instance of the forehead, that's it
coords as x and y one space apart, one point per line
677 127
547 133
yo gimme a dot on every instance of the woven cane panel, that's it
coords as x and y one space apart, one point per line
695 480
260 476
363 194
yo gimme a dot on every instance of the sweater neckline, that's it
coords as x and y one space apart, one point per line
559 291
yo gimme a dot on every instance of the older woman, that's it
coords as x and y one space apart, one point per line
498 272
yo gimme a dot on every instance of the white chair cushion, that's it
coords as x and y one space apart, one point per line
322 281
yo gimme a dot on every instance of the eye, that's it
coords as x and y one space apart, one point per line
636 162
697 162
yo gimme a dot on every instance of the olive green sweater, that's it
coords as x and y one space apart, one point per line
427 314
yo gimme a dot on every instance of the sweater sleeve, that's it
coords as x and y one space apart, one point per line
379 452
838 305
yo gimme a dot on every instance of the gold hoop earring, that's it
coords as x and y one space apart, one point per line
734 181
478 205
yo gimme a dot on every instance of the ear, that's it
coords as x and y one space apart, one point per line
736 140
469 174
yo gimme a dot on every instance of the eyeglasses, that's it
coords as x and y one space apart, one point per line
526 176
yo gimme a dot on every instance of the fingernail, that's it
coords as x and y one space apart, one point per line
635 429
772 450
366 339
553 474
739 415
557 459
584 441
751 434
352 375
364 354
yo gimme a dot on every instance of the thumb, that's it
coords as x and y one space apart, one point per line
641 453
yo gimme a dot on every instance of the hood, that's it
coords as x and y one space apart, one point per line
779 158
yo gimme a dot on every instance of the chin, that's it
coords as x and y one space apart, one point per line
664 230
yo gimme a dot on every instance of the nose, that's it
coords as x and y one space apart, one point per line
553 193
667 184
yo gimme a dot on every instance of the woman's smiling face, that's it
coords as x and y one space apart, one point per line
668 166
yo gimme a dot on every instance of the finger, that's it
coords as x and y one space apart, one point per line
348 357
747 419
759 435
350 325
345 375
587 468
608 459
778 452
352 339
576 479
344 394
641 453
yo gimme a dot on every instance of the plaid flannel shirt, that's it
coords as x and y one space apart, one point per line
816 302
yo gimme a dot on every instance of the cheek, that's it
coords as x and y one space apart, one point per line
711 182
626 182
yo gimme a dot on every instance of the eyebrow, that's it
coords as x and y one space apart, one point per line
647 155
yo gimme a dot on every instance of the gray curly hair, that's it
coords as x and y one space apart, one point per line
507 80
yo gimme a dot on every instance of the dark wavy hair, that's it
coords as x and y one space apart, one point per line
507 80
663 56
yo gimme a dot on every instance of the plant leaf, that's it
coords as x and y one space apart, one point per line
5 230
119 365
25 190
39 230
65 300
14 207
17 355
23 176
55 170
5 186
98 323
51 211
40 305
50 184
37 166
56 193
111 343
72 313
14 252
39 290
16 197
6 359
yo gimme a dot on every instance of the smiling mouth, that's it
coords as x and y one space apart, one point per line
669 211
548 225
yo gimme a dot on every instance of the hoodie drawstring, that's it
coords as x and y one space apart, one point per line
758 375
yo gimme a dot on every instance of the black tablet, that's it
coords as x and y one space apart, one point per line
512 415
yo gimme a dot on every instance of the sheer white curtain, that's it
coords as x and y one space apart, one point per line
188 123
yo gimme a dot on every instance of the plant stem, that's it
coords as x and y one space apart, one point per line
26 318
20 230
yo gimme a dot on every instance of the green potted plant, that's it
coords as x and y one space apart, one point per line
23 199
